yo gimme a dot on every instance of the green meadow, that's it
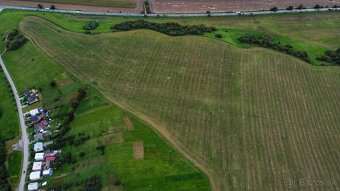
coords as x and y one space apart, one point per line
249 117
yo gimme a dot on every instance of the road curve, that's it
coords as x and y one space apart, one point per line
220 14
23 126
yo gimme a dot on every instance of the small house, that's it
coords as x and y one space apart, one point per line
33 186
39 137
39 146
32 99
39 156
37 166
36 175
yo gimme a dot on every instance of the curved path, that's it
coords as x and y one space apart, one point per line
24 136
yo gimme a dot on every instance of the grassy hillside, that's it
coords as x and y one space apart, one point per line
161 167
254 117
105 3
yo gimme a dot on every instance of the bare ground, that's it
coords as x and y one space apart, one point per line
194 6
137 9
128 123
138 150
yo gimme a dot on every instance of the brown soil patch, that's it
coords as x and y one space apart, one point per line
137 9
138 150
128 123
201 6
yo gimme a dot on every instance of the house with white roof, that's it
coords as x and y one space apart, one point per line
35 175
33 186
37 166
39 156
39 146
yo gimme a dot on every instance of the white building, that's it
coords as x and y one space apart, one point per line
47 172
35 175
33 186
39 146
37 166
39 156
36 111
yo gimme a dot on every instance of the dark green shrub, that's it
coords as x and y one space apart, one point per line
172 29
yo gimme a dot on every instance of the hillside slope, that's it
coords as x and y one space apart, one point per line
255 118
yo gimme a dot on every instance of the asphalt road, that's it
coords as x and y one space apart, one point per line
24 136
172 14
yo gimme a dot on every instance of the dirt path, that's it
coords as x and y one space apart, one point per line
137 9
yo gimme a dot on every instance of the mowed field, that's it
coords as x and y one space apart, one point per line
155 164
201 6
252 119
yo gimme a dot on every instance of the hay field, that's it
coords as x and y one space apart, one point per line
252 118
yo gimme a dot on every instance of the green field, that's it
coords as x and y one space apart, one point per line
104 3
252 118
162 167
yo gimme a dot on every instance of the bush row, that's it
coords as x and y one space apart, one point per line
4 184
91 25
267 42
15 40
331 56
172 29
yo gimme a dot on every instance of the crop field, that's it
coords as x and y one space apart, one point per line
201 6
252 118
105 3
161 168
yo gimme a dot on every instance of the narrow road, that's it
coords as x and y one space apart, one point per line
220 14
24 135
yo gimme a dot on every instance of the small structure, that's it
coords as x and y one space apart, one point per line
37 166
33 186
39 137
39 146
35 175
52 153
37 118
48 172
36 111
40 126
48 143
39 156
32 99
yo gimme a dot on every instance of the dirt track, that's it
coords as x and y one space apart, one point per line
137 9
195 6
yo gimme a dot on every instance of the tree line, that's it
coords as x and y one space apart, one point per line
331 56
4 184
14 40
267 42
171 28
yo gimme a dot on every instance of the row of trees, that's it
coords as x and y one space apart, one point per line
147 8
4 184
15 40
267 42
40 6
331 56
301 6
172 29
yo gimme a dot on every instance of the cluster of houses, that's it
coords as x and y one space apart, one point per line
43 159
30 97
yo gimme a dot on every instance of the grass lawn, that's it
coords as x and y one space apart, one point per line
14 166
104 3
252 117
